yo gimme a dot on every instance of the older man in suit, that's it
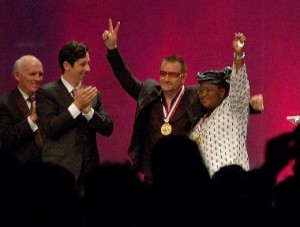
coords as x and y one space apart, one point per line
19 129
71 120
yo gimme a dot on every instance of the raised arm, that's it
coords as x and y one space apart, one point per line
256 101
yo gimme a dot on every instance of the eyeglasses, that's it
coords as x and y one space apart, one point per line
170 74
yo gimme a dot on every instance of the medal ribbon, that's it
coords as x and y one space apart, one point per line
168 115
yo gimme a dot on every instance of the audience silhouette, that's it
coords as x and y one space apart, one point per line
51 197
182 182
115 196
10 190
182 194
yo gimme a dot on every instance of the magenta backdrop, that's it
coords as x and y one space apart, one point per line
199 30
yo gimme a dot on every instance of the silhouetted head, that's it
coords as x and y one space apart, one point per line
176 160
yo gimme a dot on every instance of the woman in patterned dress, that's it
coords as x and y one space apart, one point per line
221 133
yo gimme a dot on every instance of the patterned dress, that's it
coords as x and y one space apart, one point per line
221 137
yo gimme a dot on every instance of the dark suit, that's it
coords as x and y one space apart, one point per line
70 142
145 94
16 136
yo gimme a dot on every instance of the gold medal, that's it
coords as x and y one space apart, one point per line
199 139
166 128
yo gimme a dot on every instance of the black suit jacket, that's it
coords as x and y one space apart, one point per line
16 136
70 142
145 94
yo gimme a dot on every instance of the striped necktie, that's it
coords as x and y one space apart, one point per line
37 134
31 99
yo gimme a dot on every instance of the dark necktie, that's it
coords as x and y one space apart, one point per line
37 134
74 93
31 99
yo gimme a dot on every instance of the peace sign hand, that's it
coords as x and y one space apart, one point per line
110 36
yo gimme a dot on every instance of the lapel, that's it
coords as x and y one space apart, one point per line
147 96
193 105
21 103
65 98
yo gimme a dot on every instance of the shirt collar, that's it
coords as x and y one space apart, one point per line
67 84
25 96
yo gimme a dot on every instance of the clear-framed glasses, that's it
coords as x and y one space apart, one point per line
170 74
